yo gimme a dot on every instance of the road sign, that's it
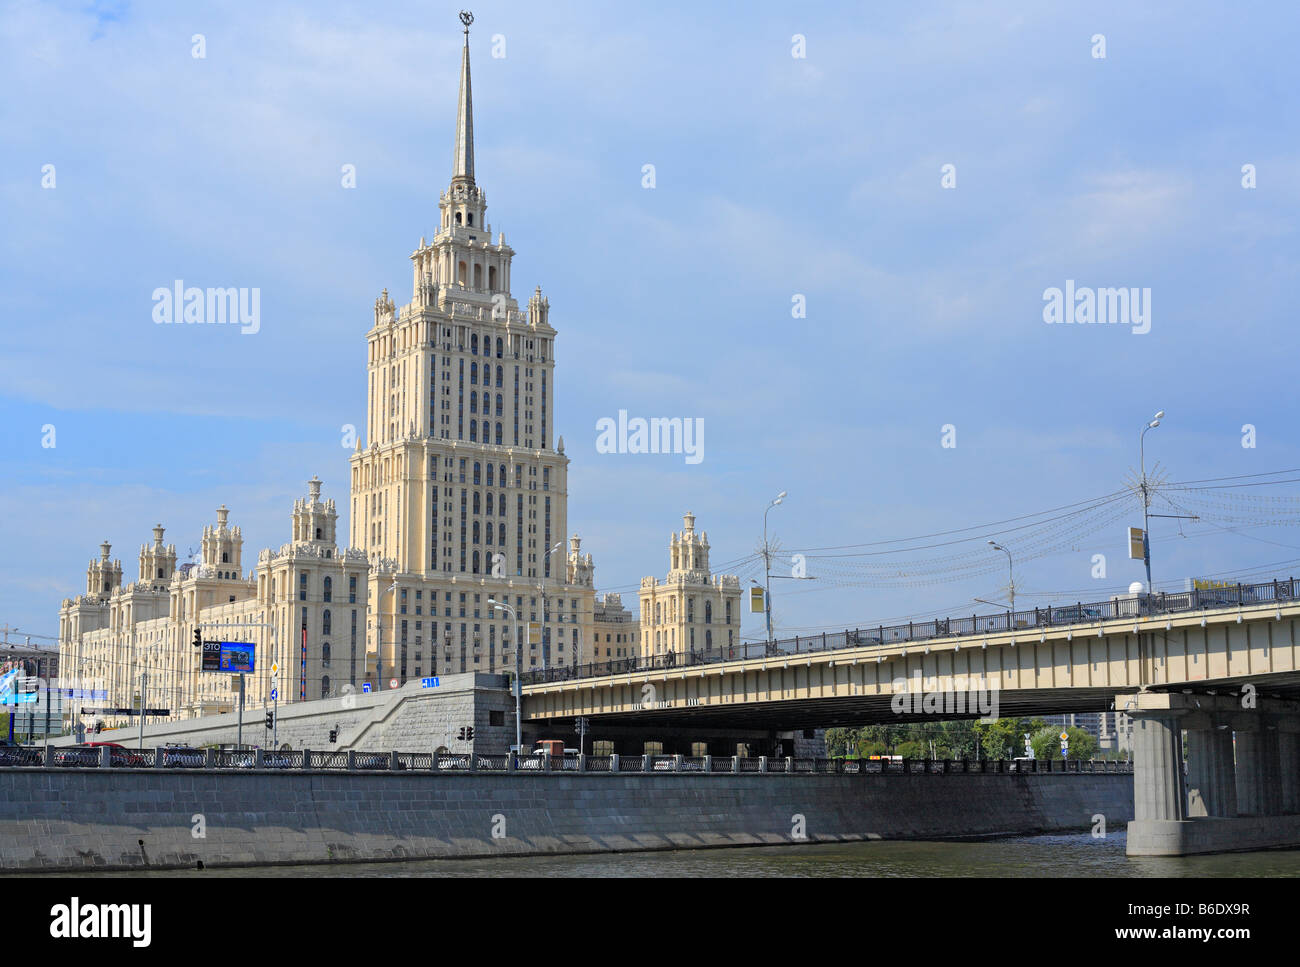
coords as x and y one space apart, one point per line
275 694
534 633
365 686
1136 552
428 683
1065 736
275 668
755 600
392 683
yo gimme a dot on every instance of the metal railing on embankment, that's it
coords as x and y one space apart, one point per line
306 760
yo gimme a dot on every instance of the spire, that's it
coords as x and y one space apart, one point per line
463 167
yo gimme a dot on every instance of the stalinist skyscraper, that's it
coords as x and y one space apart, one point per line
459 494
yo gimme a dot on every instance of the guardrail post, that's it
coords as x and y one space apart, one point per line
473 762
582 762
647 762
789 764
209 758
259 761
306 759
434 765
677 762
48 758
735 764
105 757
393 764
708 763
158 756
352 760
762 763
512 761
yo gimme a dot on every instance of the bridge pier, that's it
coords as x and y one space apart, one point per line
1211 773
1241 795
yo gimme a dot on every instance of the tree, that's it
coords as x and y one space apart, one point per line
1047 743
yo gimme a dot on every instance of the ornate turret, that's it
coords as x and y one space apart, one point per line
314 520
157 563
223 545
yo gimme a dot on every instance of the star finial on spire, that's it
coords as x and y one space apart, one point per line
463 167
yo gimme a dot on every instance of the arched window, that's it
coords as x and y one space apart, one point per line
476 528
498 350
325 654
501 529
473 372
489 496
657 614
478 273
469 217
708 638
708 612
473 402
462 270
498 434
500 376
329 585
492 277
325 686
325 622
489 477
473 431
476 503
476 562
225 557
728 612
458 220
477 473
473 348
500 406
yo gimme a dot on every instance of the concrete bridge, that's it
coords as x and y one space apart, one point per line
1225 668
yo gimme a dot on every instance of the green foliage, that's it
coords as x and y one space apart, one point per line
1047 743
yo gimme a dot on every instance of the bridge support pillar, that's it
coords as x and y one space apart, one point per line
1288 749
1211 775
1159 794
1259 788
1232 805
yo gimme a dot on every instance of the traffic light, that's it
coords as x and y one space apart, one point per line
334 735
198 638
270 720
467 733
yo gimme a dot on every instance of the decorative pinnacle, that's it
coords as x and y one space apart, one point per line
466 18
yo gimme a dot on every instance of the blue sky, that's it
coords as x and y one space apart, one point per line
775 176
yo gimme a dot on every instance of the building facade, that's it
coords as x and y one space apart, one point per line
459 502
691 609
459 497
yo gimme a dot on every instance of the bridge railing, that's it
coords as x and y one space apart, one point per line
1114 608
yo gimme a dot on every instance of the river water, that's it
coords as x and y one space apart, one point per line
1074 855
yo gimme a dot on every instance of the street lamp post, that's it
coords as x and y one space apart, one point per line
1011 586
541 585
379 644
767 565
1146 494
519 671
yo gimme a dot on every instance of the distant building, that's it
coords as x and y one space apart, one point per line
691 609
616 632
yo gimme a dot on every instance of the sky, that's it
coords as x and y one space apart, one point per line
841 268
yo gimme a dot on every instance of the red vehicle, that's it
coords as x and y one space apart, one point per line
89 754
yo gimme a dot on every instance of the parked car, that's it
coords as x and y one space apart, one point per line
120 755
270 760
183 757
77 755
